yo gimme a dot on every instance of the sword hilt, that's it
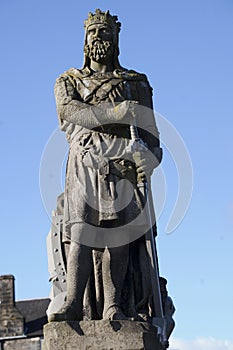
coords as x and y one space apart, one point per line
134 132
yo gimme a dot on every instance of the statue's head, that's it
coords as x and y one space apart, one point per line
101 38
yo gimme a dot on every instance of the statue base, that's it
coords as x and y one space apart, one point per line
100 335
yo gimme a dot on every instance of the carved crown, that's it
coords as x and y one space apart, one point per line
103 17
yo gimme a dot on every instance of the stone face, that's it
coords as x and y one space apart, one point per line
100 335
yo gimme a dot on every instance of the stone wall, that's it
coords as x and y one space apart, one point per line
13 327
21 344
11 321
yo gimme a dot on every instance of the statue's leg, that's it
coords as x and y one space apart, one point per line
79 267
114 265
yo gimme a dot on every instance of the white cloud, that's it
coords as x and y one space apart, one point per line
200 344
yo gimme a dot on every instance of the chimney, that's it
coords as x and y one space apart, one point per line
11 320
7 290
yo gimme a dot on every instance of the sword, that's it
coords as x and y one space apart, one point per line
159 319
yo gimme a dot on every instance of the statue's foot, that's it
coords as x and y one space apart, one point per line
114 313
68 312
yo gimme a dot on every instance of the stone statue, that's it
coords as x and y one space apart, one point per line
107 278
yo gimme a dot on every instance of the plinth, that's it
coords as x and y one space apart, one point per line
100 335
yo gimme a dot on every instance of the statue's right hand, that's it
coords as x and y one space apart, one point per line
123 109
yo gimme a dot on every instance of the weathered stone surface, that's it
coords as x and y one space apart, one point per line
11 321
102 250
100 335
24 344
104 209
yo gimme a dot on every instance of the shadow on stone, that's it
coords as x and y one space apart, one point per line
76 327
116 326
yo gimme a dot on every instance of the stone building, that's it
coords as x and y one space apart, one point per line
21 322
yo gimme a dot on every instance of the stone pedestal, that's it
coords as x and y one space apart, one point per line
100 335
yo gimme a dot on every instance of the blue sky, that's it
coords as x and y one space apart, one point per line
185 48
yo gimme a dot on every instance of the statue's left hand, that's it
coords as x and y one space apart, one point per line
147 161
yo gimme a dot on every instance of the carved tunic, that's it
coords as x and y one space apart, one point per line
98 157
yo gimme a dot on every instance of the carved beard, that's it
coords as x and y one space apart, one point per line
99 50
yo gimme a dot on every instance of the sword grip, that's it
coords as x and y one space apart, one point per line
133 132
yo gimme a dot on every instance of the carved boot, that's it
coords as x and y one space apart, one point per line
77 276
115 264
113 313
68 312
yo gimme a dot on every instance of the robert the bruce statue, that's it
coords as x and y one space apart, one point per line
107 259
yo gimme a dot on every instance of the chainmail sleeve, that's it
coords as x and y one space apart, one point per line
67 101
71 110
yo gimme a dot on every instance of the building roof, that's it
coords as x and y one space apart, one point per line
34 313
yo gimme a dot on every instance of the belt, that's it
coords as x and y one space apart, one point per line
119 130
123 168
